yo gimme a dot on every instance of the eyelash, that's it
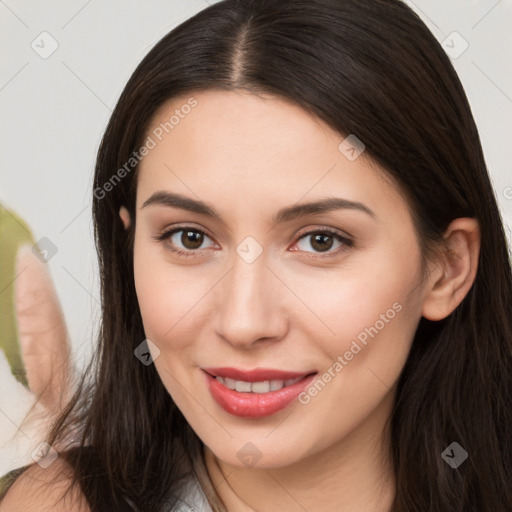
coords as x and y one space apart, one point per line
347 243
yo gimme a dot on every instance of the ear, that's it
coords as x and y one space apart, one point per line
125 217
454 271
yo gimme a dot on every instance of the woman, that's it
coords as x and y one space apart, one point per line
305 280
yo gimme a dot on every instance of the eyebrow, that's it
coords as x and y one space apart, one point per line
286 214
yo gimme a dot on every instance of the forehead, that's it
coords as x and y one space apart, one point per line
237 124
253 149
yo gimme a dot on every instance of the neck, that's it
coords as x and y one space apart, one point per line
353 475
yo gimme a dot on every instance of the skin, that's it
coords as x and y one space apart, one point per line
295 307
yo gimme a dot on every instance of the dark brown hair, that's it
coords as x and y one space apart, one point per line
365 67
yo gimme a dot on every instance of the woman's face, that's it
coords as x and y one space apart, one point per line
269 285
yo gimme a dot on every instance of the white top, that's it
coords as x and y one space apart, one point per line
193 499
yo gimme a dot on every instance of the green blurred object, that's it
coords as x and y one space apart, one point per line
8 479
14 233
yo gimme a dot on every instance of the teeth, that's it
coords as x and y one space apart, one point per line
256 387
276 384
240 385
229 383
290 382
260 387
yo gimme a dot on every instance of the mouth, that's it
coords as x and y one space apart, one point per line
256 381
255 393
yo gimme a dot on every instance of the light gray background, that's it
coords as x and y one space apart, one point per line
53 112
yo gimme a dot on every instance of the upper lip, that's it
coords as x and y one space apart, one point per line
256 375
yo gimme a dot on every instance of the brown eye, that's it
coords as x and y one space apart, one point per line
323 240
191 239
187 244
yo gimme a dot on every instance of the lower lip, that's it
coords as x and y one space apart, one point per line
255 405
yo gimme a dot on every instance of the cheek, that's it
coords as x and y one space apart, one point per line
164 300
373 313
371 310
167 295
375 293
152 289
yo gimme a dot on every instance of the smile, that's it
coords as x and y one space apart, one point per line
256 387
255 393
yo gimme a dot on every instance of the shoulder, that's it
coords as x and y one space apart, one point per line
44 490
193 498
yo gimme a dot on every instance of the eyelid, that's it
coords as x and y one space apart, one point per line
335 231
178 227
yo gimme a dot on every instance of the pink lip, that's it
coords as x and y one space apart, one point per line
256 405
256 375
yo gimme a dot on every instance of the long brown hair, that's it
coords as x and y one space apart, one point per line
364 67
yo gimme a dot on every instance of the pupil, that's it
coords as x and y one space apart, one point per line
322 246
193 238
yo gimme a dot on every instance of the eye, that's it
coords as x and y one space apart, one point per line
190 239
322 240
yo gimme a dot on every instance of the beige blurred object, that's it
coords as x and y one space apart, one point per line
42 332
45 349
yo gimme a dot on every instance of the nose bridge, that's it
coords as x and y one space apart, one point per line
249 302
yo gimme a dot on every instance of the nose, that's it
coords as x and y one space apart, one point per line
251 304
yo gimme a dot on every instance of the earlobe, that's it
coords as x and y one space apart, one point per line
125 217
456 269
